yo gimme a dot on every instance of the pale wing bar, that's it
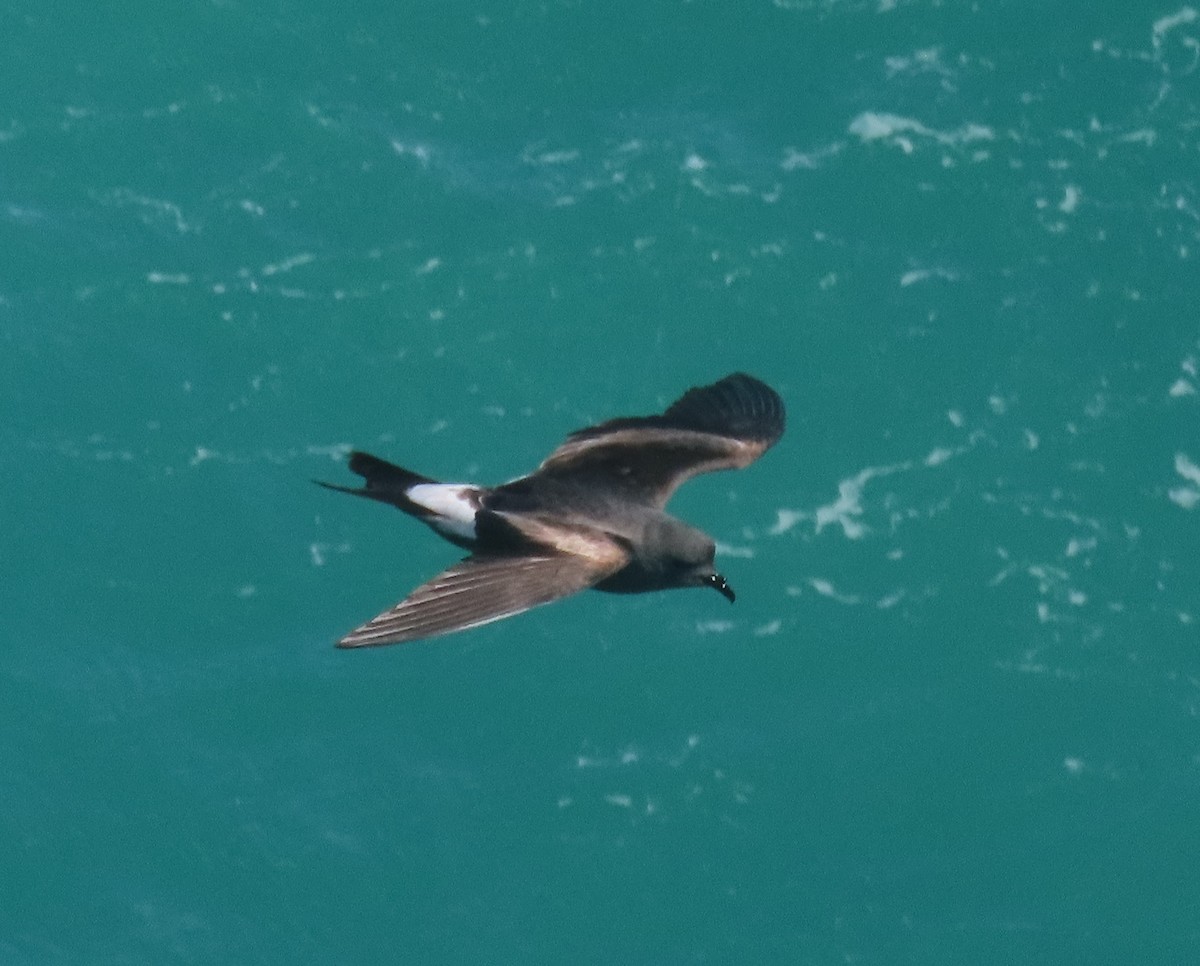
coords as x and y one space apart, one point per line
727 425
479 590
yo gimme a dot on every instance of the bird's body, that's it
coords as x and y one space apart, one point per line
592 515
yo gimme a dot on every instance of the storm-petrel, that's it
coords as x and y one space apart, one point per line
590 516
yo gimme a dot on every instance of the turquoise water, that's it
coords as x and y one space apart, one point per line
954 716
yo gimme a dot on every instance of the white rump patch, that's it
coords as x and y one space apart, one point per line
452 506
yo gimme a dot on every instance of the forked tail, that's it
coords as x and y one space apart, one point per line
385 482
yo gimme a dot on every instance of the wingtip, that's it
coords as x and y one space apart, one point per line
352 643
738 405
368 635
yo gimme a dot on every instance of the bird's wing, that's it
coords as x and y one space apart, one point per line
486 588
727 425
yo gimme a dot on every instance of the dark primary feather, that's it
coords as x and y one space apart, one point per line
726 425
737 407
580 519
478 590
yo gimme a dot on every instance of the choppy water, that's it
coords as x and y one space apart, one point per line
952 717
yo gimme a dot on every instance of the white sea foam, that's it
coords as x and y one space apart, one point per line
287 264
1186 468
1186 496
168 278
1164 25
826 589
1070 201
786 519
847 508
904 131
728 550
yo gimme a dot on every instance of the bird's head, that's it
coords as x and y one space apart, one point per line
686 558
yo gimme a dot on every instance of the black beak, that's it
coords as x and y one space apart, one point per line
719 583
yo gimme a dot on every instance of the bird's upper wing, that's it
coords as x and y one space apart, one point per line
486 588
726 425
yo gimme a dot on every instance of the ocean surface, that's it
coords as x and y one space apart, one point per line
954 715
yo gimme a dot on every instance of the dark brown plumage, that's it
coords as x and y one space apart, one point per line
591 515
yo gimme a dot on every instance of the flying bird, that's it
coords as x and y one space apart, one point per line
591 516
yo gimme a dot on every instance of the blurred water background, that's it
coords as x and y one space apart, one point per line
953 716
